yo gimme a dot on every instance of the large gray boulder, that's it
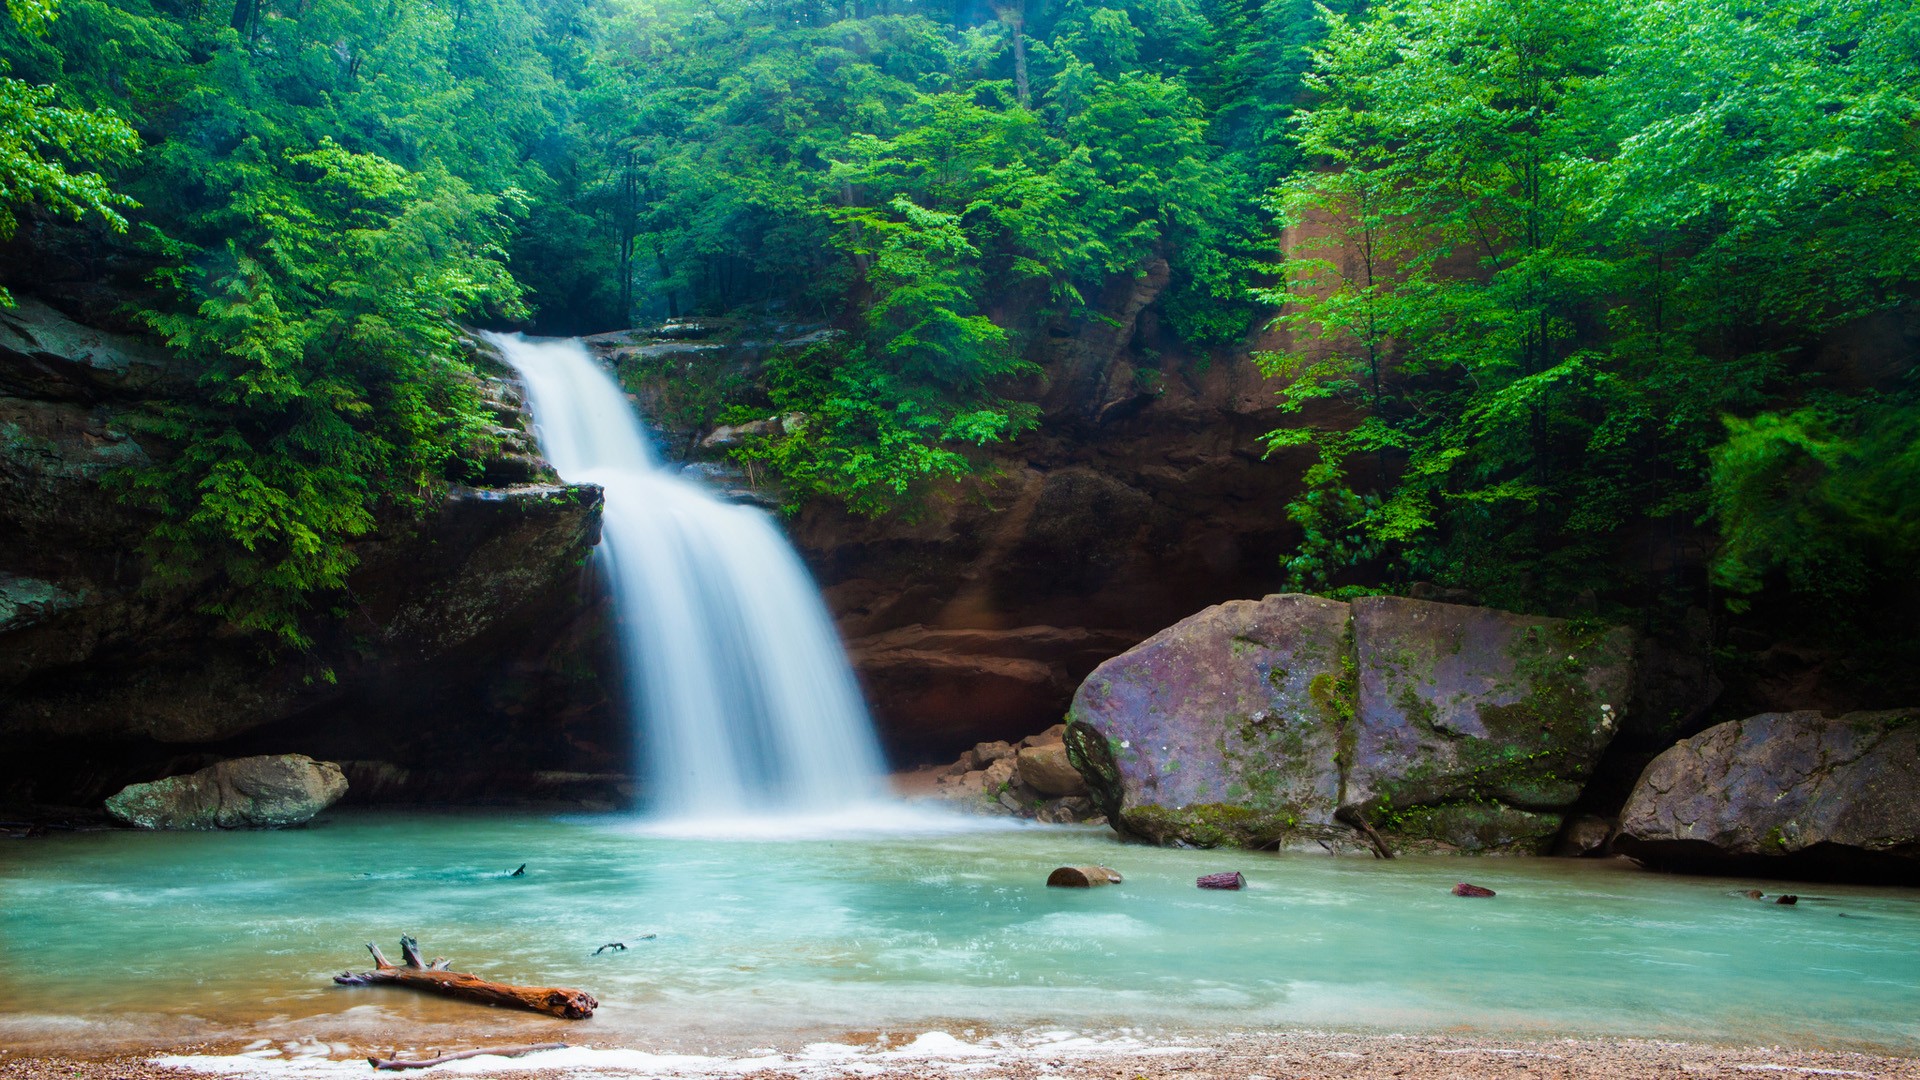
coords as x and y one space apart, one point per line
267 792
1222 729
1291 718
1786 793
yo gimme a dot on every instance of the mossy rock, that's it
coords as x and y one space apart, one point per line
1450 728
1481 827
1239 706
1470 705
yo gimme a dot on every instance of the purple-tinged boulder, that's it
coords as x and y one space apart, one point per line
1478 728
1792 793
1223 728
1290 719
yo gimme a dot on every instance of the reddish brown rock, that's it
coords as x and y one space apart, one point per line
1230 879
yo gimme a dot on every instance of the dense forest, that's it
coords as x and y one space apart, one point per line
1572 273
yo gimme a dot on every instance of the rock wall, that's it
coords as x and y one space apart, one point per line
454 621
1296 719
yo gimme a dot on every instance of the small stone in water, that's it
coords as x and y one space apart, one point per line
1464 889
1231 879
1786 898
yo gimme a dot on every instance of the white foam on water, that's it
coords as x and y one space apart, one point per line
930 1051
874 820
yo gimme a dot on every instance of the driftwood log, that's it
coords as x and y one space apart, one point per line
1464 889
433 977
1354 819
1229 879
428 1063
1083 877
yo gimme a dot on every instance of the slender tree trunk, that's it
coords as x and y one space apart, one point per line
1020 85
629 210
666 280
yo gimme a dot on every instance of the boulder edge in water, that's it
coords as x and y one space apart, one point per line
267 792
1787 792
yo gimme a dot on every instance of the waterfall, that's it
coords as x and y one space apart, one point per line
742 693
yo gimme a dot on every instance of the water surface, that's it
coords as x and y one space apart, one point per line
758 940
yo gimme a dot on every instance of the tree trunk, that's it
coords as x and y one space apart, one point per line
436 979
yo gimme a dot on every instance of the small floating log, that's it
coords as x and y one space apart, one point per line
496 1051
1464 889
434 978
1786 898
1083 877
1230 879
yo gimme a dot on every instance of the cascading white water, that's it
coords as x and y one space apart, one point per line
740 686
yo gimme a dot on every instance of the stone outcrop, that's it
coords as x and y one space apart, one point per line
266 792
1785 793
464 646
1031 779
1289 719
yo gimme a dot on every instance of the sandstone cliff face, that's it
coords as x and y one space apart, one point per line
1288 719
107 679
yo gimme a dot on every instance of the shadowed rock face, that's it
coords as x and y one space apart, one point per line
106 678
1276 721
267 792
1793 792
939 686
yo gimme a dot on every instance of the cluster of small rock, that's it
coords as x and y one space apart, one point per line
1030 779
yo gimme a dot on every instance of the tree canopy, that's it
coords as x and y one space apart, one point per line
1576 270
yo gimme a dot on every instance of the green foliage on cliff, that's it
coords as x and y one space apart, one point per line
304 213
326 189
1552 246
940 182
332 373
39 138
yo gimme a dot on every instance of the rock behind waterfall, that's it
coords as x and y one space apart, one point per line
266 792
1790 792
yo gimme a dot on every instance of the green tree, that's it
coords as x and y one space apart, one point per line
1549 246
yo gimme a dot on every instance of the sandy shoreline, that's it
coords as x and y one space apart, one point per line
1272 1056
